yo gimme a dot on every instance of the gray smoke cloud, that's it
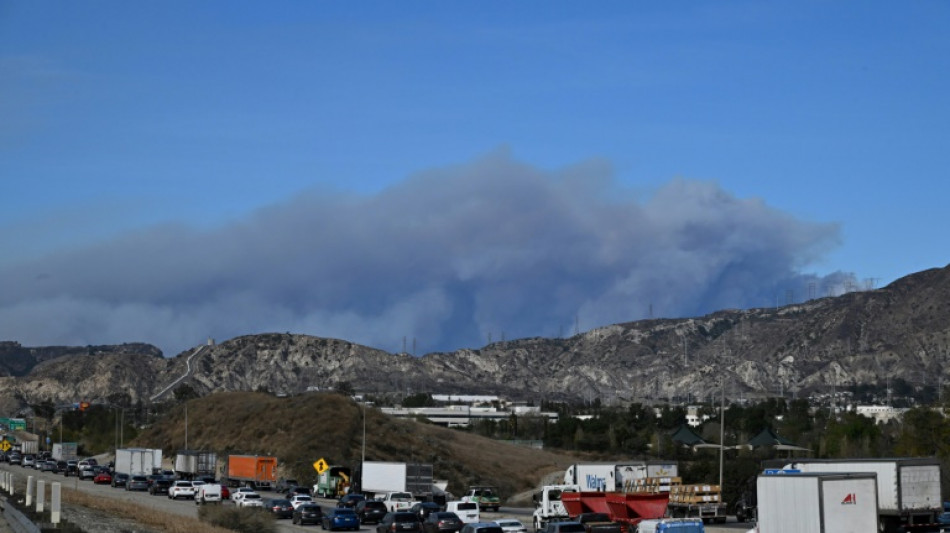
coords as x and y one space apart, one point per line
447 257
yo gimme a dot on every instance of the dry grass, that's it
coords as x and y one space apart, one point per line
298 430
147 516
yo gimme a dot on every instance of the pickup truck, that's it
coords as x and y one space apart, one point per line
598 523
486 498
398 501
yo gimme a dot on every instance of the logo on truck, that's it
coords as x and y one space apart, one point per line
596 482
850 499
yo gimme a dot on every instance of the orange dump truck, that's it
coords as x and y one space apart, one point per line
257 471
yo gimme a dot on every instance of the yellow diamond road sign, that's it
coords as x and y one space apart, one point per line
320 466
5 445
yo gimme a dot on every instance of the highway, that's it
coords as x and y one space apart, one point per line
189 509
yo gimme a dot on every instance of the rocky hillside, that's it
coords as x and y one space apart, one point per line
902 330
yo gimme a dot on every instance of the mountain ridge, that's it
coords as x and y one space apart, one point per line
898 331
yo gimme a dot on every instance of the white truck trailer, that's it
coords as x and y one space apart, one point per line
65 451
379 478
137 461
193 464
614 477
817 503
908 489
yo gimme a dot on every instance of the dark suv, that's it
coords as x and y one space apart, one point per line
400 522
159 486
370 511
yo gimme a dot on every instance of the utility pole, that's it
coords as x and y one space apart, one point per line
722 426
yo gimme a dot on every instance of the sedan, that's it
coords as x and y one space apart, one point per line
119 480
307 513
442 522
250 499
350 500
137 483
280 508
103 478
340 518
510 525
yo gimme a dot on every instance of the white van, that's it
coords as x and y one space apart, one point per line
207 493
466 511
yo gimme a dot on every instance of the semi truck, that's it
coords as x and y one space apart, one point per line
255 471
378 478
548 506
65 451
908 489
619 476
332 482
193 464
138 461
625 508
818 503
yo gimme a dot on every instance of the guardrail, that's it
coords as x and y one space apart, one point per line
18 521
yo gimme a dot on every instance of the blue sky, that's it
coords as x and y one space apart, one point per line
457 171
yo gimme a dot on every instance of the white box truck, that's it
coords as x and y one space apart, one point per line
908 489
65 451
817 503
138 461
379 478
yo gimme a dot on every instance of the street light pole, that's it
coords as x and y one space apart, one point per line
722 426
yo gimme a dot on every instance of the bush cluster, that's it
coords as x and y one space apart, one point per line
242 520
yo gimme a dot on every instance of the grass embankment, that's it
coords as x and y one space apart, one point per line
298 430
231 518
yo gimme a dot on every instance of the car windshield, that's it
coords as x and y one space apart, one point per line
374 505
345 512
252 496
400 496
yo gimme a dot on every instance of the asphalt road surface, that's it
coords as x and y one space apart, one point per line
188 507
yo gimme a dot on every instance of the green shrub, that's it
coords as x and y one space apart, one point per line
242 520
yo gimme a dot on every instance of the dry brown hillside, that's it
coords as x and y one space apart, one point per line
298 430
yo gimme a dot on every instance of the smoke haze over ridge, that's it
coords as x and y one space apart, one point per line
448 257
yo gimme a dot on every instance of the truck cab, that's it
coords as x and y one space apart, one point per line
548 505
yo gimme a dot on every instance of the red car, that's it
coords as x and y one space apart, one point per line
225 492
102 478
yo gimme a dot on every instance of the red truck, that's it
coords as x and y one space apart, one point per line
256 471
625 508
